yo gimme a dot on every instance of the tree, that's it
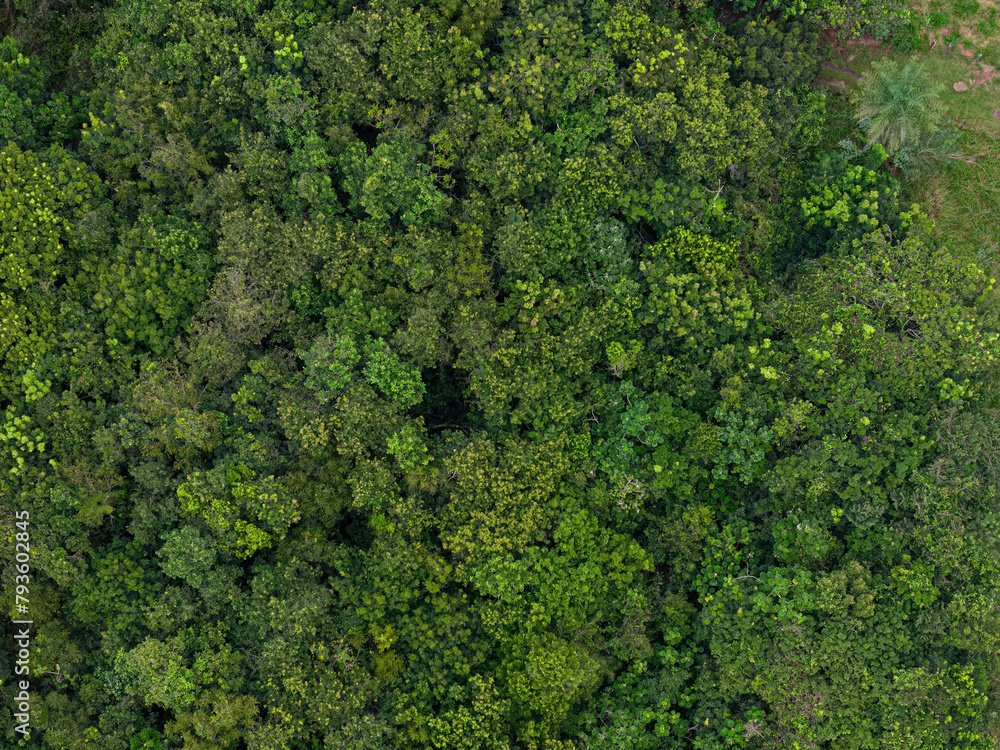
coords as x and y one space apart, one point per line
187 555
544 677
169 403
155 672
218 720
900 103
149 290
227 495
53 212
109 601
698 305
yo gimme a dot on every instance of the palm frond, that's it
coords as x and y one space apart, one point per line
901 103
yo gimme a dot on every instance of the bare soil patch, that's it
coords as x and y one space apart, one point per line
986 74
828 38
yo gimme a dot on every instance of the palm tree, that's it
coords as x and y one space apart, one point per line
901 104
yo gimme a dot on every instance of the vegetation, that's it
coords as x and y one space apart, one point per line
900 104
478 374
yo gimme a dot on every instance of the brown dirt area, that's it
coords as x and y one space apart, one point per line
828 38
844 52
986 75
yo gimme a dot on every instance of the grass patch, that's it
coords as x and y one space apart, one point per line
966 8
965 200
937 20
988 26
974 105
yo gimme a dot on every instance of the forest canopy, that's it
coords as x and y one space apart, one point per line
484 375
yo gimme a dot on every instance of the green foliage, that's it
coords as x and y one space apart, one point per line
743 447
847 201
785 59
883 19
392 181
20 439
461 374
111 598
900 102
31 114
877 17
474 721
329 366
609 261
314 185
551 63
225 496
169 404
697 304
187 555
618 451
20 82
936 20
408 446
545 676
391 376
778 56
150 289
802 543
640 709
147 739
51 212
909 36
814 618
966 8
154 671
217 721
635 35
